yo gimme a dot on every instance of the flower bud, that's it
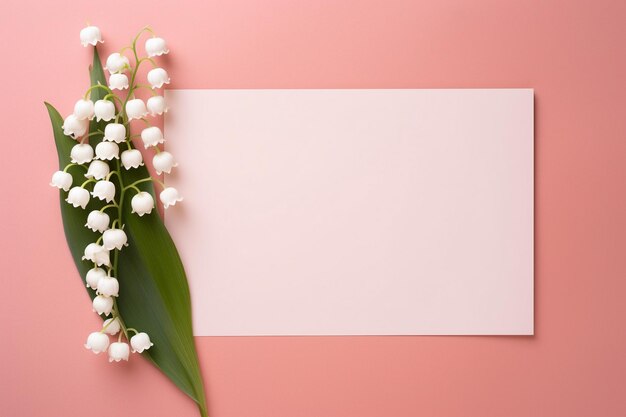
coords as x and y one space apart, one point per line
136 109
116 62
78 197
157 77
132 158
169 196
97 169
156 47
61 180
102 305
111 326
114 239
104 190
90 36
156 105
107 151
163 162
151 136
97 342
140 342
108 286
81 153
74 127
97 221
97 254
142 203
104 110
118 82
114 132
118 351
93 276
83 109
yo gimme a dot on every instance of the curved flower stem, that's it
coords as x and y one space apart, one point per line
145 86
133 185
96 86
134 188
114 205
111 173
145 29
87 182
97 132
113 96
154 64
68 166
127 47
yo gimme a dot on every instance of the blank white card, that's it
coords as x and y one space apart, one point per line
355 212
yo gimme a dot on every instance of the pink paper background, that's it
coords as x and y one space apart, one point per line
571 52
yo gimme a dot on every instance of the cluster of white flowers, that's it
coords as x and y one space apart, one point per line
102 163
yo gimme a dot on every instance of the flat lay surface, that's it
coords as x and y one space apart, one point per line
570 52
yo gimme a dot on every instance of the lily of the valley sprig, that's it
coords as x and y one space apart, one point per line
103 180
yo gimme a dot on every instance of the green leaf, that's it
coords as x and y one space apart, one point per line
154 293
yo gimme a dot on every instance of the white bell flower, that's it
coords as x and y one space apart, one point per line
97 254
118 351
104 190
90 35
114 132
61 180
111 326
156 47
97 342
140 342
142 203
97 169
107 151
116 62
157 77
136 109
157 105
93 276
75 127
83 109
118 82
114 239
78 197
169 196
151 136
81 153
163 162
102 305
108 286
132 158
104 110
97 221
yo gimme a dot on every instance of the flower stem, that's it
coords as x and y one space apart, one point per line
96 86
133 185
108 206
68 166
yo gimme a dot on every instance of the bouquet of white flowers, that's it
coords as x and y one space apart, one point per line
121 248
